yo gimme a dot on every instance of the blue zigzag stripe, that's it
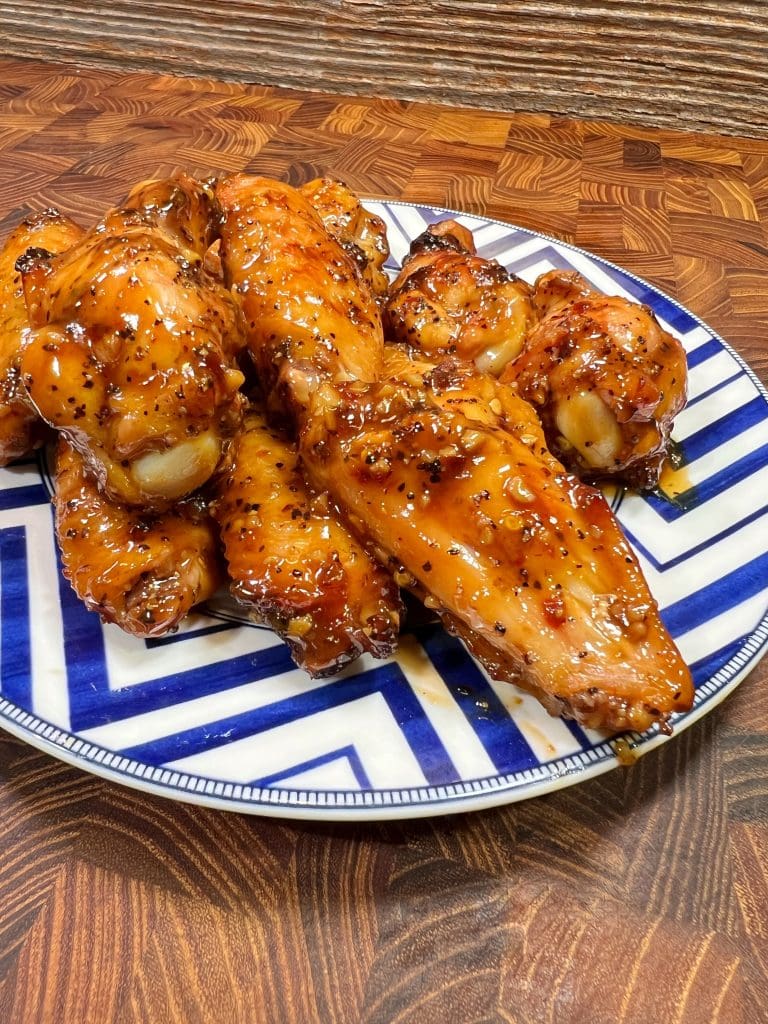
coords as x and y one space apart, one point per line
501 738
713 486
15 646
730 590
23 497
387 680
348 752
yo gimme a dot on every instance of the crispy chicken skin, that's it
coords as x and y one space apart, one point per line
132 356
447 475
20 426
362 234
294 564
309 317
447 300
605 378
140 571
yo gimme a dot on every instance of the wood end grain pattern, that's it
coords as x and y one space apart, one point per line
641 895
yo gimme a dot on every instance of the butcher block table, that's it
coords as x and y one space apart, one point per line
641 895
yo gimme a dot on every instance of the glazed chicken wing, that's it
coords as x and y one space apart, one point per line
308 315
447 473
605 378
20 426
294 564
132 355
447 300
446 476
140 571
362 234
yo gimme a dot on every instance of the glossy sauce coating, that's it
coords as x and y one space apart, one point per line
20 426
133 353
309 317
292 561
450 480
140 571
605 378
362 234
449 301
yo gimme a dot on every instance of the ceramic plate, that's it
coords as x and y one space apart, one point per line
217 714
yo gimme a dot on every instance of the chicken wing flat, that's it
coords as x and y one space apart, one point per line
140 571
362 234
132 356
294 564
309 317
448 476
20 426
605 378
447 301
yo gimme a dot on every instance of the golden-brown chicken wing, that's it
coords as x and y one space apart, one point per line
308 315
449 301
20 427
605 378
446 476
362 234
140 571
294 564
449 477
132 356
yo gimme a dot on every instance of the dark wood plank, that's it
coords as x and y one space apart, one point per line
658 62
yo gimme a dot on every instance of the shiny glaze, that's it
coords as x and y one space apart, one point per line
448 476
445 475
294 564
140 571
20 426
133 353
449 301
362 234
309 317
605 378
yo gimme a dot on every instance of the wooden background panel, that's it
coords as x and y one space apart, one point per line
664 62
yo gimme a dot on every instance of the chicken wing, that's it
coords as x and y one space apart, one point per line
448 476
293 563
308 315
140 571
447 300
133 353
362 234
20 427
605 378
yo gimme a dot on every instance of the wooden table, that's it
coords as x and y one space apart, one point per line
639 896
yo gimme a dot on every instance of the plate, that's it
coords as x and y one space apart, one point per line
217 714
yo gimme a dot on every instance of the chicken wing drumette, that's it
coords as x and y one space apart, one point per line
308 315
605 378
447 477
447 300
294 564
362 234
20 426
132 356
143 572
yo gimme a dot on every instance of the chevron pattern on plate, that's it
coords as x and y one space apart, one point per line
219 712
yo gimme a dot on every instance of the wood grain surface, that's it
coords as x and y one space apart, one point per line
638 896
662 62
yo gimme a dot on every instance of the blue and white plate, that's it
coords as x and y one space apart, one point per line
218 714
